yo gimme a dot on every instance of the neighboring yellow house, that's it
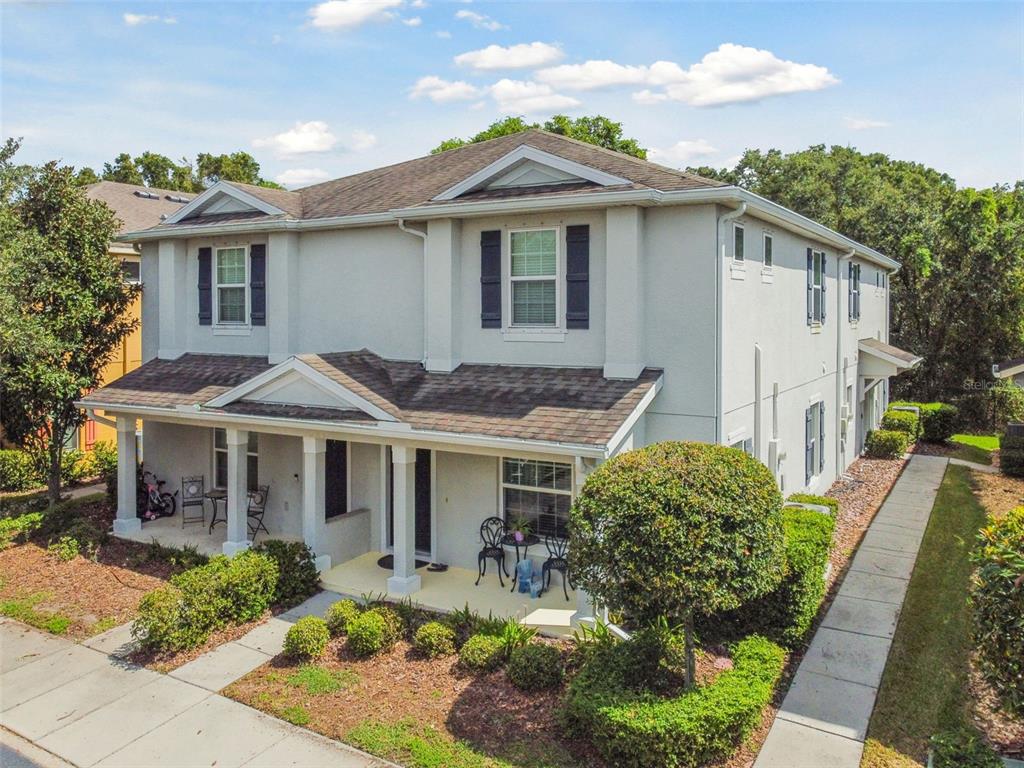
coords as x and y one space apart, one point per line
138 208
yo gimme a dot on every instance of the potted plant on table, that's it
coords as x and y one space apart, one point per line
520 529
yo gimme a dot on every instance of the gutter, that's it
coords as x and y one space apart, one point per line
720 313
91 413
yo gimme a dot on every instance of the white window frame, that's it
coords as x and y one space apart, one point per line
217 285
743 258
502 485
817 290
745 444
767 236
855 294
559 324
248 454
816 449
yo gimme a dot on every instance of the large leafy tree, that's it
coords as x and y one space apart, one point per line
958 299
63 307
155 170
595 129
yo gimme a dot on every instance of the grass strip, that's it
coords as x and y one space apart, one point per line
976 448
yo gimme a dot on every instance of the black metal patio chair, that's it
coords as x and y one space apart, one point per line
558 560
492 531
193 496
256 509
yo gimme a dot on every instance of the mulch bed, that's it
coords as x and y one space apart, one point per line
167 661
998 494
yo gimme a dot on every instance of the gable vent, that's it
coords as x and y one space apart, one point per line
146 195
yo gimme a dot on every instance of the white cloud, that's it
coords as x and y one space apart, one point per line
300 177
480 21
415 21
136 19
682 152
521 56
345 14
863 123
418 4
730 74
444 34
442 91
361 140
313 136
523 97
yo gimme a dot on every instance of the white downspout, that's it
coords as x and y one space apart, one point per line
91 413
840 454
758 453
720 316
423 236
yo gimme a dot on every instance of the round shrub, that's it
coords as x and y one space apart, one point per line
393 625
885 444
368 634
535 667
339 615
939 422
900 421
307 638
997 598
18 471
434 639
169 621
482 653
297 577
677 529
247 586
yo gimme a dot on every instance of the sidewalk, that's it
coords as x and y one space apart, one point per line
824 718
94 709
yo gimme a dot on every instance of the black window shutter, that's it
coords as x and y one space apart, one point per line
821 436
810 286
490 279
858 293
335 478
824 283
205 286
849 291
258 284
577 276
808 447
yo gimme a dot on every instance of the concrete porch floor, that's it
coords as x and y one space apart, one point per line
169 532
551 614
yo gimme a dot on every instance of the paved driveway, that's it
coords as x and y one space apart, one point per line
94 709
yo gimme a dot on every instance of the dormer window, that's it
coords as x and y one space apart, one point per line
231 285
533 257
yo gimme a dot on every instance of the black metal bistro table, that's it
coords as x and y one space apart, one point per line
509 540
217 495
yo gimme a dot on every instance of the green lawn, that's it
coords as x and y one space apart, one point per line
923 690
976 448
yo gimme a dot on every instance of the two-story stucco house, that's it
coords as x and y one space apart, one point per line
402 353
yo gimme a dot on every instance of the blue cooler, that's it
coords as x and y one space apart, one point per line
524 575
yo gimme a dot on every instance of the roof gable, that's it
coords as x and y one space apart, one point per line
224 197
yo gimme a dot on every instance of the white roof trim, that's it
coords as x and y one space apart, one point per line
1009 372
623 432
314 377
222 188
526 152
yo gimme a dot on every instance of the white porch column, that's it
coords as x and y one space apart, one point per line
313 499
127 520
238 492
405 580
624 307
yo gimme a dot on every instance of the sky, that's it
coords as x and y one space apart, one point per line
321 90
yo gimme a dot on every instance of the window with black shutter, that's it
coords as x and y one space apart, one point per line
335 479
490 279
577 276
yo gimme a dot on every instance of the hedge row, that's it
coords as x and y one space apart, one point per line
885 444
634 728
785 614
938 421
21 470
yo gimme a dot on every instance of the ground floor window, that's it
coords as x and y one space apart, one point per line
747 446
814 446
220 460
537 493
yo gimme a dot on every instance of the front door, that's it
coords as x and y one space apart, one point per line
423 496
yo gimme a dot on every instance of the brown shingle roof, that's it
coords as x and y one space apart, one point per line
565 405
907 358
289 202
132 204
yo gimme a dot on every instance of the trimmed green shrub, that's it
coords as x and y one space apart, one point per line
1011 455
535 667
394 628
307 638
962 749
434 639
368 634
17 471
64 549
821 501
633 728
19 528
339 615
247 586
885 444
785 614
1008 399
297 577
901 421
482 653
166 621
997 598
939 423
75 466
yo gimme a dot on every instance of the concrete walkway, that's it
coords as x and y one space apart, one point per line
93 709
973 465
824 718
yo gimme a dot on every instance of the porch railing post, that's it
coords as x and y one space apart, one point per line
238 491
127 520
314 470
405 580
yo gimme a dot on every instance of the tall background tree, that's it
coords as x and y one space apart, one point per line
63 307
152 169
958 299
595 129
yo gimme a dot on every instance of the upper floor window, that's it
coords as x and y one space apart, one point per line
537 494
817 287
737 242
131 270
854 298
769 258
533 258
231 285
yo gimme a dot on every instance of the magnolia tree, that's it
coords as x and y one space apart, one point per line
63 305
677 529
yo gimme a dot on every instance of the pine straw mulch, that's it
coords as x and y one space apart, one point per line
998 494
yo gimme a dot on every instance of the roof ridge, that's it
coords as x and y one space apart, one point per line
143 187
